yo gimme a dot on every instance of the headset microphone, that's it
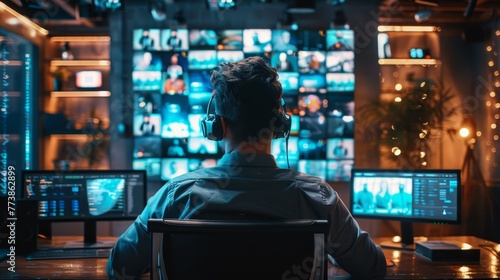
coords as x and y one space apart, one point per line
211 125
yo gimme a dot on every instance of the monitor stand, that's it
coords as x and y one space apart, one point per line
407 241
90 238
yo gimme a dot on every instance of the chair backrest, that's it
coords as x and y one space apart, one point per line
209 249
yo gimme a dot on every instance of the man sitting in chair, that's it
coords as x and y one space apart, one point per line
247 183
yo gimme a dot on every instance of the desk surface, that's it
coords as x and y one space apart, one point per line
408 265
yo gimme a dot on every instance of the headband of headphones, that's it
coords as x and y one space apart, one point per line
211 124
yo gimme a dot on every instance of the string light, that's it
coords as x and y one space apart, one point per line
492 104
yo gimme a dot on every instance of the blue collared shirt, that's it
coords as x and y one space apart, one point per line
250 186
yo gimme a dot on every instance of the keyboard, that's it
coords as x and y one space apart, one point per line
54 254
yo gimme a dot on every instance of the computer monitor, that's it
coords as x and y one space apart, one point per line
417 195
86 195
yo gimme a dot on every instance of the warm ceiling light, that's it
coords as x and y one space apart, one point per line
24 19
427 3
399 28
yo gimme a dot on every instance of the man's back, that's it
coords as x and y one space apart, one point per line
252 187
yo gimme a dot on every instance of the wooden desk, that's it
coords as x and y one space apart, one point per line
408 265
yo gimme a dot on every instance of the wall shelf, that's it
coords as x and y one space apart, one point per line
408 61
70 94
75 131
12 63
76 63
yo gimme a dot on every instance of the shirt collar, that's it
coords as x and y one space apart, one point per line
247 159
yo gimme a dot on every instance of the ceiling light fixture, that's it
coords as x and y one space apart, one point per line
158 10
431 3
470 8
422 15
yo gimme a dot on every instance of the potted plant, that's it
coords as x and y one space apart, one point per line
404 127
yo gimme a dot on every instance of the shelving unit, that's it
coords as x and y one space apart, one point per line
76 114
398 70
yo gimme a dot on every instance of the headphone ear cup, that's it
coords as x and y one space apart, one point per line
211 127
282 126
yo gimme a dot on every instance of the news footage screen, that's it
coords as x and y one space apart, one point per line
171 85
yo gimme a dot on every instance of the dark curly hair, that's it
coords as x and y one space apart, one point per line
247 95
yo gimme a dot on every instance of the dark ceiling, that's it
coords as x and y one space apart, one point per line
438 11
84 14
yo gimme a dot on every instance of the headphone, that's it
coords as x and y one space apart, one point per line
211 124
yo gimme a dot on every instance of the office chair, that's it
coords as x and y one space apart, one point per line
216 249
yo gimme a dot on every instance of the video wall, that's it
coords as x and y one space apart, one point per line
171 85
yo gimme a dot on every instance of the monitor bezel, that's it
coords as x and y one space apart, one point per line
24 173
411 218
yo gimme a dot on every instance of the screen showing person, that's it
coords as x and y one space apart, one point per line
176 76
364 197
146 39
340 62
340 148
199 81
289 82
173 167
339 170
311 40
340 82
229 56
257 40
146 61
202 146
401 197
174 39
147 147
151 165
340 113
147 124
175 122
284 62
311 148
197 163
147 102
198 102
340 126
203 39
313 167
312 83
340 40
230 39
312 62
176 147
202 60
194 125
279 151
146 80
312 118
284 40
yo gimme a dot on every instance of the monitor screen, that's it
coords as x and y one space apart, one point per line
86 195
424 195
